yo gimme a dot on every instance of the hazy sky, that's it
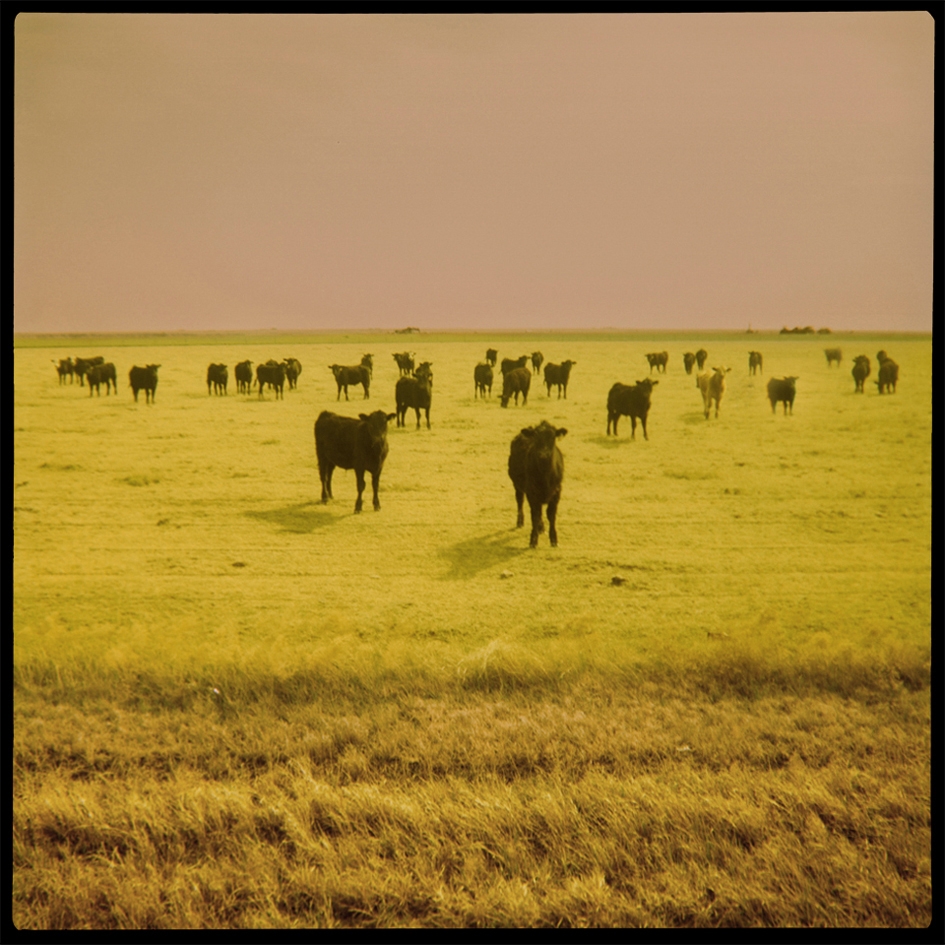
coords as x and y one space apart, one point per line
474 171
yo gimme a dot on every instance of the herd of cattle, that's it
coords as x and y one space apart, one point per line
535 465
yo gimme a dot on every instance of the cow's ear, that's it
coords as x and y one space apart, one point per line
561 431
528 431
364 416
654 383
391 416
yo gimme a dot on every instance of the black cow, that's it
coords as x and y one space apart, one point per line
537 361
754 361
516 382
658 360
273 374
144 378
701 357
83 364
782 389
404 362
414 391
102 374
888 376
861 371
536 468
483 378
510 364
557 375
65 367
491 355
292 371
630 400
217 378
833 354
243 372
689 359
354 375
358 444
367 360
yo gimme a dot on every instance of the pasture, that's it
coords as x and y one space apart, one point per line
709 705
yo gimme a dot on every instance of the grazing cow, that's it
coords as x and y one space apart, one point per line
491 355
630 400
557 375
658 360
414 391
888 376
537 360
243 372
292 371
404 362
65 367
712 387
217 377
701 357
833 354
144 378
367 360
536 468
483 378
345 376
273 374
102 374
754 361
508 364
861 371
83 364
516 382
358 444
689 359
782 389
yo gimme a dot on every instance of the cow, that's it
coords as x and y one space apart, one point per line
102 374
712 387
557 375
782 389
292 371
888 376
833 354
689 359
491 355
144 378
367 360
273 374
482 375
536 468
217 377
83 364
65 367
630 400
881 356
414 391
658 360
861 371
404 362
510 364
537 360
424 370
352 443
345 376
243 372
701 357
516 382
754 361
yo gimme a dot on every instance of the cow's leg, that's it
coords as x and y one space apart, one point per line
538 526
359 473
375 482
428 417
417 411
552 515
633 427
520 498
643 424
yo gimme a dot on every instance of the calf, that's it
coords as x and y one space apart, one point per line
861 371
415 391
557 375
491 355
658 360
701 357
217 377
888 376
712 387
345 376
536 468
689 359
782 389
630 400
358 444
65 367
243 372
516 382
833 354
102 374
754 361
293 369
537 360
273 374
144 378
508 364
482 375
83 364
404 362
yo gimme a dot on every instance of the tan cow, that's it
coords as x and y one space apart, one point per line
712 387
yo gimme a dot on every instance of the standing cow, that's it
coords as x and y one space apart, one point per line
65 367
512 364
102 374
367 360
358 444
658 360
630 400
712 387
754 361
514 383
144 378
888 376
701 357
243 372
557 375
273 374
783 390
217 378
833 354
404 362
482 375
415 391
293 369
491 355
536 468
860 372
537 361
83 364
689 359
354 375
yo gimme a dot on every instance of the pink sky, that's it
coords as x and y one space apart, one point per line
675 171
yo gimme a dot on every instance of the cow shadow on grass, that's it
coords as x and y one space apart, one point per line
300 519
468 558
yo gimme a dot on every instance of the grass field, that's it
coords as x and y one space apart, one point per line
237 707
